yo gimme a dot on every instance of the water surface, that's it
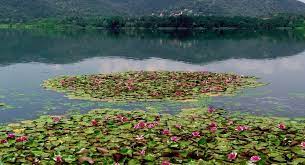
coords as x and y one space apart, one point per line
29 57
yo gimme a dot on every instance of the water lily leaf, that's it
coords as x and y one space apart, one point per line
298 151
133 162
102 150
69 159
89 130
150 157
202 141
37 153
81 160
126 151
83 151
298 161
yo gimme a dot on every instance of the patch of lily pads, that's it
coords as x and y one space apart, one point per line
150 85
194 136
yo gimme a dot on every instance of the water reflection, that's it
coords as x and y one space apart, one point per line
26 59
204 47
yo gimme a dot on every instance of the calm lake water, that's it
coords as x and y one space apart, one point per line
27 58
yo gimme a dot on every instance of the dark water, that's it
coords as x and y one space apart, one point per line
27 58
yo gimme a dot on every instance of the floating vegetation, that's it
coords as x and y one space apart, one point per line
146 86
195 136
5 106
299 95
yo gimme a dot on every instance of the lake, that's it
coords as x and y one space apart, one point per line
29 57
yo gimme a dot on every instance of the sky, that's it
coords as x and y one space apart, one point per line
302 1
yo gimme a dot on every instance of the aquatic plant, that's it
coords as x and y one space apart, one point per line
144 85
255 158
109 136
232 156
5 106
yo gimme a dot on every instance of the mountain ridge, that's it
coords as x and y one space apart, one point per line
33 9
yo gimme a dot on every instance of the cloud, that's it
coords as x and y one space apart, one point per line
286 65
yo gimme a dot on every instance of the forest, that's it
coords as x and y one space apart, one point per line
172 22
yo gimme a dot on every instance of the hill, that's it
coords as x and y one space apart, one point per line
32 9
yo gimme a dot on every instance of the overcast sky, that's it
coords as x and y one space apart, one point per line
302 1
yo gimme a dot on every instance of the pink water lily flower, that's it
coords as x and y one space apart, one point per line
3 141
150 125
11 136
56 119
178 126
211 109
213 129
230 122
282 126
178 93
136 126
175 138
303 145
130 87
123 119
22 139
241 128
62 82
165 162
196 134
140 137
156 123
255 159
142 152
232 156
58 159
213 124
140 125
165 132
94 122
228 80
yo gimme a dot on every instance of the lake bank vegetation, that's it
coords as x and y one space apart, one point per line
149 86
109 136
164 22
